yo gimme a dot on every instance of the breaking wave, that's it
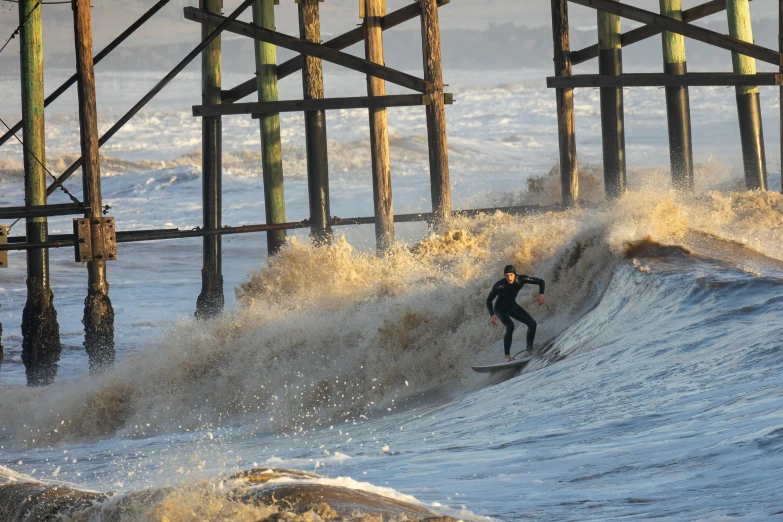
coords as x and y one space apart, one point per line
334 333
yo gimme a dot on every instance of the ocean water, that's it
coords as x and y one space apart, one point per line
660 394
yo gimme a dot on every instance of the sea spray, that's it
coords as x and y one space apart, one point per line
333 333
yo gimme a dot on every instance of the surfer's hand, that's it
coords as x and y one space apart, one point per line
540 299
494 320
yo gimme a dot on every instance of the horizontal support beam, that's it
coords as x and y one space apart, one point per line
132 236
312 49
60 209
691 31
358 102
343 41
663 80
646 31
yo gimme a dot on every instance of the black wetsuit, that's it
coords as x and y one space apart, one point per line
507 308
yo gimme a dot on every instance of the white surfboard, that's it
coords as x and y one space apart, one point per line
516 364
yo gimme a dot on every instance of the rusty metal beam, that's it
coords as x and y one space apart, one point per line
132 236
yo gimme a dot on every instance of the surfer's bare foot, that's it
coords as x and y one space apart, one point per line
508 358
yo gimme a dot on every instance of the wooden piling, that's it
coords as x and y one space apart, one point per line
98 311
315 127
374 11
3 264
40 332
748 105
440 185
271 147
780 48
210 301
566 125
610 62
677 102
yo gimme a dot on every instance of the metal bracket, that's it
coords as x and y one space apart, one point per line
448 98
95 239
3 241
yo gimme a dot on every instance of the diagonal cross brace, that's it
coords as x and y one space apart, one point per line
646 31
98 57
312 49
343 41
152 93
691 31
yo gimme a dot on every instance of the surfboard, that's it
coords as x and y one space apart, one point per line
511 365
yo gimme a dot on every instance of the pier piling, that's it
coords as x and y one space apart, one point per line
374 11
610 63
315 127
748 105
98 311
440 185
3 264
40 332
271 147
677 102
210 301
566 125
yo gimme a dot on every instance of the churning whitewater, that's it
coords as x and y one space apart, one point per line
338 384
664 375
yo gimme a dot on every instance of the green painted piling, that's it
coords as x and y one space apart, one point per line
40 331
271 148
210 301
748 104
610 62
677 102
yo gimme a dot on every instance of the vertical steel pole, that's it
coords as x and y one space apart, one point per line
678 107
40 332
566 125
271 147
748 105
210 301
374 12
315 127
610 62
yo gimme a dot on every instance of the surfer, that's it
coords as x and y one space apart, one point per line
506 307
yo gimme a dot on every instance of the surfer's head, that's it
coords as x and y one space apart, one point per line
510 273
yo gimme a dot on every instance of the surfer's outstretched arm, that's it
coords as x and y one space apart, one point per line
534 281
